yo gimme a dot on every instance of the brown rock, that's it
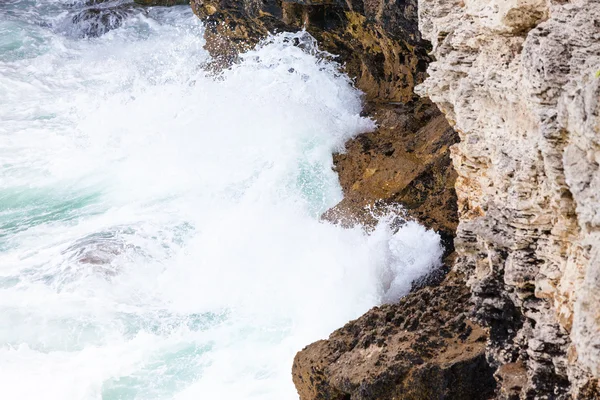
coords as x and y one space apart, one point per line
424 347
405 161
512 378
386 66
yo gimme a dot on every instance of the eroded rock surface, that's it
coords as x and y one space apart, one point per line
424 347
405 161
517 79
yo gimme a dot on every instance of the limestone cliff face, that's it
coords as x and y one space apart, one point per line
518 81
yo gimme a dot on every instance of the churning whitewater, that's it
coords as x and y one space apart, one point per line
159 225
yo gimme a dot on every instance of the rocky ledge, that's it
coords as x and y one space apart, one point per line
424 347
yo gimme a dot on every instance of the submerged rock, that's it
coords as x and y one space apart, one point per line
96 21
100 16
164 3
94 18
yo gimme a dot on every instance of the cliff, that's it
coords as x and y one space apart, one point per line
517 80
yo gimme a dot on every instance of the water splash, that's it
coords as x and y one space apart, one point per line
159 227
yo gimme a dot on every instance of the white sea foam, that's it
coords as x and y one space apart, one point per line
159 228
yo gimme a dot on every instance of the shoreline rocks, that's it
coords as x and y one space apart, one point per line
425 346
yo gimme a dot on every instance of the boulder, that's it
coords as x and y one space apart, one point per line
96 21
425 347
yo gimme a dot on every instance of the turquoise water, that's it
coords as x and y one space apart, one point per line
159 226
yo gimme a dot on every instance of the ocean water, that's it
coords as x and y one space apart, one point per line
159 225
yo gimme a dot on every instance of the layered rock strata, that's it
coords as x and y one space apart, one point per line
517 79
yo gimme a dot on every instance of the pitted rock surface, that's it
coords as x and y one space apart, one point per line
405 161
517 79
424 347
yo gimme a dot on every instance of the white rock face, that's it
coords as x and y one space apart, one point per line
517 79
